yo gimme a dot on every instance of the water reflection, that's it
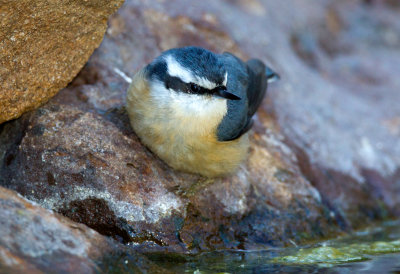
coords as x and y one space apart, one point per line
372 249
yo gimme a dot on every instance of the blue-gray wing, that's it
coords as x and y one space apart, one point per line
257 86
249 80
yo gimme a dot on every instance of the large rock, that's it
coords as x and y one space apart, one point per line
35 240
43 46
87 164
325 145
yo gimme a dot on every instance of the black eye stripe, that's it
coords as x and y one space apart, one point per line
175 83
197 89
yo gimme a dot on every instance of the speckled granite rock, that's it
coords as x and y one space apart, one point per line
35 240
43 46
325 144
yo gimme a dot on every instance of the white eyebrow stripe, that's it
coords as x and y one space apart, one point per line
175 69
225 79
205 83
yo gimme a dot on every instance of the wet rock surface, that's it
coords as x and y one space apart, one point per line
325 144
43 46
35 240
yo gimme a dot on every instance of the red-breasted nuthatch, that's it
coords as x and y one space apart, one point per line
193 108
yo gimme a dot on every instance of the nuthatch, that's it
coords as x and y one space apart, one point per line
193 108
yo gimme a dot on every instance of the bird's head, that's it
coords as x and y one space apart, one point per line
191 71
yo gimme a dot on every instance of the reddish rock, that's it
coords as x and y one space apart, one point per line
43 46
325 144
35 240
88 165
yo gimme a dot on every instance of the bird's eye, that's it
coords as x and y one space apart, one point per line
195 88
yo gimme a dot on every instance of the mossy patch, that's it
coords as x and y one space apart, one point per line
339 254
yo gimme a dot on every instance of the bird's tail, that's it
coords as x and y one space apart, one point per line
271 75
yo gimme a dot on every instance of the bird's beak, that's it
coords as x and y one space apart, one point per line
222 92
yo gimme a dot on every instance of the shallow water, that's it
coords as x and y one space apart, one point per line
373 250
